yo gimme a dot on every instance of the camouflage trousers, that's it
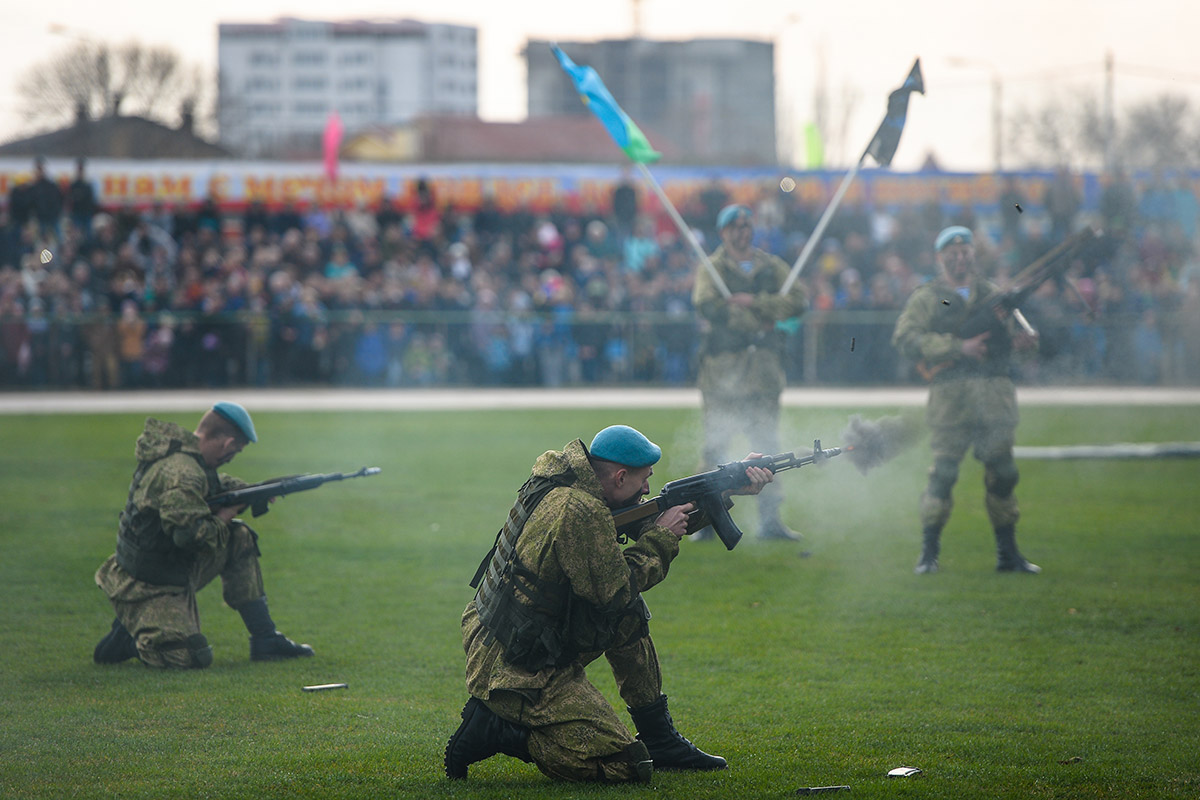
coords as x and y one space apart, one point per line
161 618
574 733
979 414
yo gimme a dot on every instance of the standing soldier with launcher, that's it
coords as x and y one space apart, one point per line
972 399
741 354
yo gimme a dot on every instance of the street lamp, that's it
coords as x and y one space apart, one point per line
997 102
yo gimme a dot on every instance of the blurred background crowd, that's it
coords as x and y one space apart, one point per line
419 293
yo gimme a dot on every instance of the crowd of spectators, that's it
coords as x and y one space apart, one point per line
416 293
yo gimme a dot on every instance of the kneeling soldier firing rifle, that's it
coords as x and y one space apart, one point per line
178 532
556 592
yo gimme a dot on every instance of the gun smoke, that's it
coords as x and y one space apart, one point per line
875 442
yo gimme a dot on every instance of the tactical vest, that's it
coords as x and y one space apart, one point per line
720 338
555 625
531 635
143 548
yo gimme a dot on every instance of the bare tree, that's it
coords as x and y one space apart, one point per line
1060 133
1070 130
98 79
1160 132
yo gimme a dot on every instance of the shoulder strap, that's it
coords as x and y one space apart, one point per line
530 495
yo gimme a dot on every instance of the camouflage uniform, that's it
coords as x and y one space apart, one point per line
972 404
569 539
741 358
171 545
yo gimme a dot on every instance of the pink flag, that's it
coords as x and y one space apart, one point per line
332 143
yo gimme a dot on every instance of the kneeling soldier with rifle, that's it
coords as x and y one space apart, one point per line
557 591
171 543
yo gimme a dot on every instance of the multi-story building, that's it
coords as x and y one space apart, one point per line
713 99
279 81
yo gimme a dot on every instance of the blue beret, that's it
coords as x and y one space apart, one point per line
955 234
622 444
239 417
731 214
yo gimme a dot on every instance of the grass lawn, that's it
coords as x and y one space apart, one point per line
1081 682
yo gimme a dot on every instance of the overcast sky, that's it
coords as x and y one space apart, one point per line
860 49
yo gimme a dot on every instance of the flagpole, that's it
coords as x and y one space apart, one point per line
811 244
684 229
882 146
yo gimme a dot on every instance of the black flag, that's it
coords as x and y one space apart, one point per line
883 146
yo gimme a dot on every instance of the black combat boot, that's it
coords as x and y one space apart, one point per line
930 547
116 646
482 735
668 748
266 643
276 646
1008 558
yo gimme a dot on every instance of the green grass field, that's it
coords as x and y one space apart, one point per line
1081 682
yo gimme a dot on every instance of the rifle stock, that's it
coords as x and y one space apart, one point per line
259 495
707 490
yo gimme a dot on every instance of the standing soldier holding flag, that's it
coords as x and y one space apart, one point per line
741 354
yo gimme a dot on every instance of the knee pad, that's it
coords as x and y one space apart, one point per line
942 477
1001 477
200 650
639 756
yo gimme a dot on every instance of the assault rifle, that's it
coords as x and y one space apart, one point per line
259 495
990 315
707 491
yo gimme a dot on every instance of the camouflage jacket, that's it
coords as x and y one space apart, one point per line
732 328
928 331
167 514
570 539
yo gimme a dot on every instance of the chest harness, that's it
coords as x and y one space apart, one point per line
551 626
532 634
143 548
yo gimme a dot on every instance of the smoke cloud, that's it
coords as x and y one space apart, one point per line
875 442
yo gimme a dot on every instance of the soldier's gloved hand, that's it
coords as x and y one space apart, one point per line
675 519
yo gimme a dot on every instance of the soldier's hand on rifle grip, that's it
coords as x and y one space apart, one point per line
976 346
675 519
227 513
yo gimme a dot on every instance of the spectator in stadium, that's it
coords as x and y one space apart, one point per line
131 344
624 208
81 199
1063 201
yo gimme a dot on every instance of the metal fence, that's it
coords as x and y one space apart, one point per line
564 348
